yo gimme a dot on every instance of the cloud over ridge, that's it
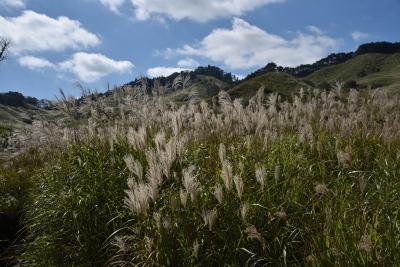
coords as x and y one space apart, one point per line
246 46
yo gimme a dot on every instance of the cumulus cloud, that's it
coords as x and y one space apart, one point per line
92 67
113 5
198 10
188 63
34 32
35 63
358 36
245 46
163 71
13 3
315 30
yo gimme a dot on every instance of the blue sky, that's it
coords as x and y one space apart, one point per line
57 43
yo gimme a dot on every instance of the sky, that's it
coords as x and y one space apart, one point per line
101 43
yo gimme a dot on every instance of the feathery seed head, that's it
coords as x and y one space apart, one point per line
183 195
253 234
134 166
239 185
227 174
312 260
366 245
209 217
321 189
157 219
345 157
281 215
222 152
260 177
196 248
137 199
159 140
244 209
277 173
166 222
137 139
218 192
190 183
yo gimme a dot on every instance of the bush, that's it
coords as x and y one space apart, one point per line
351 84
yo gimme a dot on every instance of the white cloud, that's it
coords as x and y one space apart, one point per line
188 63
315 30
113 5
92 67
35 63
34 32
164 71
245 46
198 10
358 36
13 3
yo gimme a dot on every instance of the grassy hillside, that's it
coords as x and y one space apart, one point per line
282 83
313 182
18 116
374 70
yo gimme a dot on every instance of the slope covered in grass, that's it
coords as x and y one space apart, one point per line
312 182
376 70
276 82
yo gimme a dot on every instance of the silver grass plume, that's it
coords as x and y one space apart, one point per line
227 174
134 166
190 183
253 234
183 195
239 185
260 177
244 210
219 193
209 217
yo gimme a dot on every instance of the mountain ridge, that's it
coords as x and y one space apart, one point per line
208 80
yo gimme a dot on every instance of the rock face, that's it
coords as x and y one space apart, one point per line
163 85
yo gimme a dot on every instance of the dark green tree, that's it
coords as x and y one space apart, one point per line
4 47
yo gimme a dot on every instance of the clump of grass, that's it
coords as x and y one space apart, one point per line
4 129
76 207
16 184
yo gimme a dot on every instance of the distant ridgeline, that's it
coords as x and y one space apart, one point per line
333 59
212 71
16 99
209 80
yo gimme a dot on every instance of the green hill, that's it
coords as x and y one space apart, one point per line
282 83
375 70
362 71
371 65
